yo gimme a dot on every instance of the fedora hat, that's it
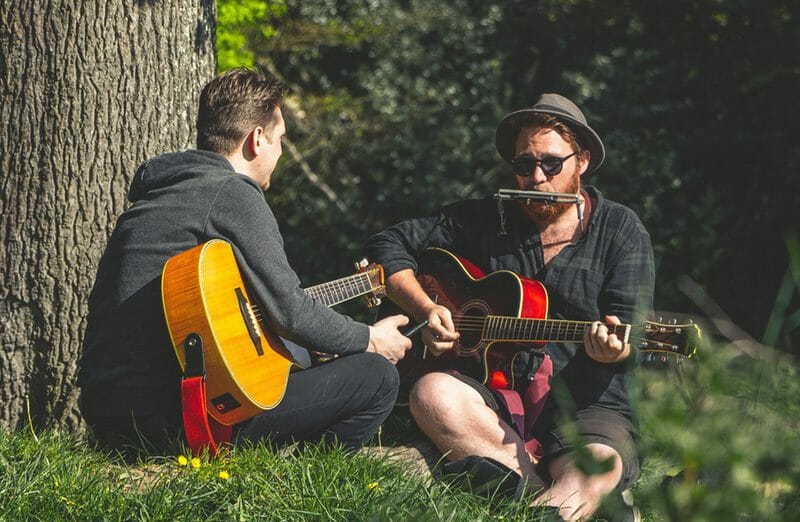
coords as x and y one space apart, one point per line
505 137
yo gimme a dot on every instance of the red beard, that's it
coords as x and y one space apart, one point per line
546 211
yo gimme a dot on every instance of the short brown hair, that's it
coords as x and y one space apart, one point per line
232 104
546 121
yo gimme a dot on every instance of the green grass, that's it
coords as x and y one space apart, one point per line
56 478
721 435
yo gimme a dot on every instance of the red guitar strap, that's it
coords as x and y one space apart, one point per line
537 392
203 433
526 410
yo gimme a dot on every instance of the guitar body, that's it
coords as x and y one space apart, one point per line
471 295
501 314
247 367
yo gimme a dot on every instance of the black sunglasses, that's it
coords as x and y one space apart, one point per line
551 165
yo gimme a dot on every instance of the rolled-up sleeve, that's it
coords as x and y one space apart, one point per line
397 247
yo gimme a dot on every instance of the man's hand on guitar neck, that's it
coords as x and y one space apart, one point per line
602 346
386 339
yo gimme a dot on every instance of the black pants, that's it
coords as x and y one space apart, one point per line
344 400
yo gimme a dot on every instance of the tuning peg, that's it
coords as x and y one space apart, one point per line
361 264
660 319
675 321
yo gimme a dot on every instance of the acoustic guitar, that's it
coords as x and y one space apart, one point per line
500 314
247 366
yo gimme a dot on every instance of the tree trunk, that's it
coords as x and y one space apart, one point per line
89 90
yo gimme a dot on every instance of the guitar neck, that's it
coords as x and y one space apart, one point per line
341 290
515 329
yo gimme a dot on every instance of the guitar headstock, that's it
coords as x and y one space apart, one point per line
670 338
374 273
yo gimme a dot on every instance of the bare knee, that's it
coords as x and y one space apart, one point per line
432 397
579 494
602 484
444 406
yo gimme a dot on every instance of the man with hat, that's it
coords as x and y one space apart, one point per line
595 259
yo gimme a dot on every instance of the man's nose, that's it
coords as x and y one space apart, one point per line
538 175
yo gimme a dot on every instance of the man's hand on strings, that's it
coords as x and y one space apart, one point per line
440 334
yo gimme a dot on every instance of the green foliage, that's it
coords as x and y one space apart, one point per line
719 434
784 322
690 101
237 22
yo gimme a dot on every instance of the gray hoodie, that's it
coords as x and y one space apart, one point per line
180 200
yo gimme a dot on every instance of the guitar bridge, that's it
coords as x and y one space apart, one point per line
249 321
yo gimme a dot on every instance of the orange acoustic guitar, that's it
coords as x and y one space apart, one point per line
247 366
499 314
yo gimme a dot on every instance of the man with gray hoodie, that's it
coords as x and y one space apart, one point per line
129 375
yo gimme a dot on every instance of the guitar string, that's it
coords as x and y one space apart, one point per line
471 323
542 327
360 283
477 322
520 319
665 347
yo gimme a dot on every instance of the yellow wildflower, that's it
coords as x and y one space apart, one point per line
373 486
224 475
182 461
195 463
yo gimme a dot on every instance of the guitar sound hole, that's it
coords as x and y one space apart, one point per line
469 323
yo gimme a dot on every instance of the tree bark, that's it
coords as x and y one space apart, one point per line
89 90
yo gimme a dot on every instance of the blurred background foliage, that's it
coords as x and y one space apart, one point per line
719 437
393 106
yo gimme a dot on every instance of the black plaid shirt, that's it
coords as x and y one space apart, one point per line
609 271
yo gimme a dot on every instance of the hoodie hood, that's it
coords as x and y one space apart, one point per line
170 168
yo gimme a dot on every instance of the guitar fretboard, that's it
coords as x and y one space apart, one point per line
341 290
500 328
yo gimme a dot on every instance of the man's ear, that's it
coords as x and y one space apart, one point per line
586 158
255 141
